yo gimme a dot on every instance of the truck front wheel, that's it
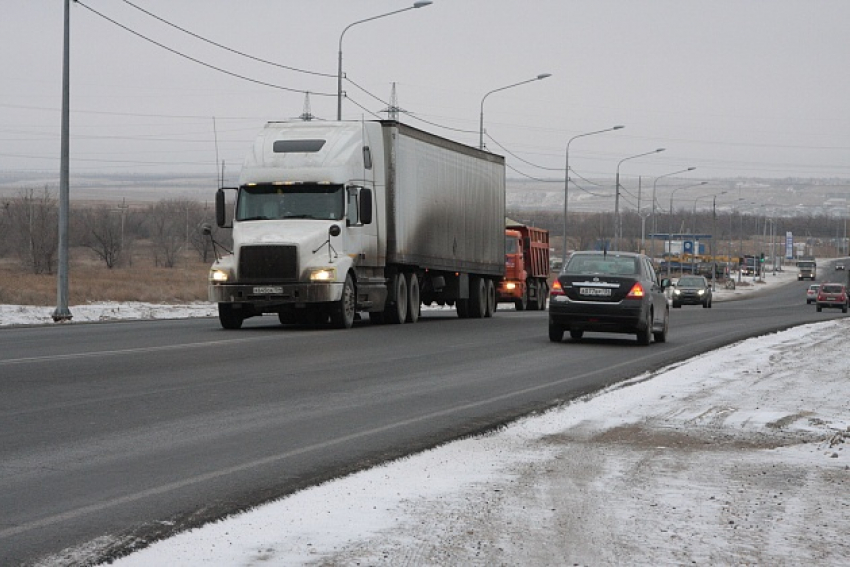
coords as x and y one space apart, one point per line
521 303
228 317
342 314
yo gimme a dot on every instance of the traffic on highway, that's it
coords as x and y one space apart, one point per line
142 429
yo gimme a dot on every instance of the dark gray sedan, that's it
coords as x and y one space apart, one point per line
610 292
692 290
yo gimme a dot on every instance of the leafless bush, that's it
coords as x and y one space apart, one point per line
32 229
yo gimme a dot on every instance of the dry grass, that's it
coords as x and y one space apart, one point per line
90 281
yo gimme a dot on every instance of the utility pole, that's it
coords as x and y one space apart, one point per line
62 313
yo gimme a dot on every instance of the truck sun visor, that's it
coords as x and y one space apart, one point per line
293 146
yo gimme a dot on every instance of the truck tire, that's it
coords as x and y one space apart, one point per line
544 291
491 298
344 310
413 302
477 297
533 294
521 303
462 308
396 312
228 317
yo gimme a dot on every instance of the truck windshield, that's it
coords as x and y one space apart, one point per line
303 201
511 245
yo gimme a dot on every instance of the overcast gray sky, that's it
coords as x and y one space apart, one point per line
755 88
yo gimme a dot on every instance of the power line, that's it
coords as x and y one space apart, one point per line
175 26
198 61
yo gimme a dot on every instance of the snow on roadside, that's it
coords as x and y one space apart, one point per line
734 457
104 311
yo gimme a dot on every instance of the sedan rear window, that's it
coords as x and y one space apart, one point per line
826 288
608 265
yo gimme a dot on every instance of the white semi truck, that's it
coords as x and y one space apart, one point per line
331 219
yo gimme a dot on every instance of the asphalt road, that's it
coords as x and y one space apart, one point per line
136 430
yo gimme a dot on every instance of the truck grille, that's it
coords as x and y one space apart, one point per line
268 264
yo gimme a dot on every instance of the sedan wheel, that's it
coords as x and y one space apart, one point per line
661 336
644 336
556 333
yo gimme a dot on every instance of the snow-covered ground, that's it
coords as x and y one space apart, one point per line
735 457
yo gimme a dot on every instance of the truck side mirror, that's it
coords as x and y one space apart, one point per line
365 206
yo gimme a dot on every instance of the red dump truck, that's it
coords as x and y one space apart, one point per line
526 282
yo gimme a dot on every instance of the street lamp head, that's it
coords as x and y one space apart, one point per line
543 76
691 168
660 150
618 127
422 3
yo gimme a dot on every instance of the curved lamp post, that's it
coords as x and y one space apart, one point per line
420 4
617 227
481 124
670 232
567 180
714 229
654 225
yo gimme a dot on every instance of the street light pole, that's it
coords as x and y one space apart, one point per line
481 123
617 227
670 232
693 258
420 4
567 180
654 224
62 313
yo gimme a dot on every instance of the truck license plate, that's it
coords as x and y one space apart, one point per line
604 291
268 289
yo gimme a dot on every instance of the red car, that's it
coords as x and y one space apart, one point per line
832 295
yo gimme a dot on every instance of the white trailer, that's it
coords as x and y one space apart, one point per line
335 218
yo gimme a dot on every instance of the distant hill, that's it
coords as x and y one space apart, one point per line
782 196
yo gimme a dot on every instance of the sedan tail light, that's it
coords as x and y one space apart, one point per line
636 292
556 289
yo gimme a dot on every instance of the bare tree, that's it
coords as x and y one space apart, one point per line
32 222
105 233
197 216
169 230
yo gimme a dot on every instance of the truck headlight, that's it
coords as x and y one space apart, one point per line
701 292
510 286
677 291
218 276
323 275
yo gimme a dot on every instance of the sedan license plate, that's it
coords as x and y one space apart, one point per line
268 289
595 291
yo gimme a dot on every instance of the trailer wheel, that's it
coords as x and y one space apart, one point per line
462 307
477 298
491 298
397 311
413 302
228 317
342 313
